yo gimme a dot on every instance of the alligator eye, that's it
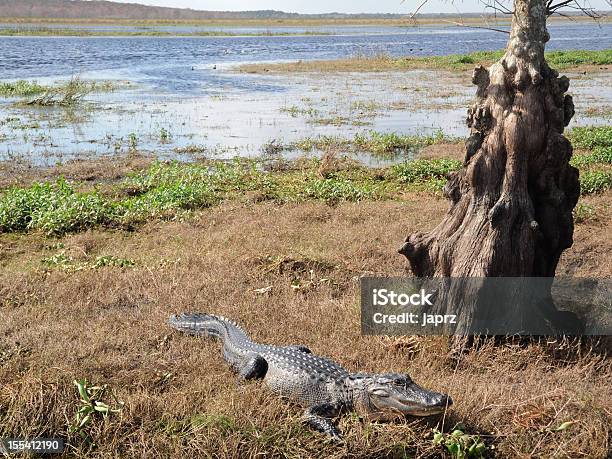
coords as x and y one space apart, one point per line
380 393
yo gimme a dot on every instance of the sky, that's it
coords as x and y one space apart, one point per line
327 6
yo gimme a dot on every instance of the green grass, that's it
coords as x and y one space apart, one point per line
172 190
591 137
595 181
425 170
562 59
332 190
557 59
374 142
21 88
169 190
599 155
594 165
53 208
25 88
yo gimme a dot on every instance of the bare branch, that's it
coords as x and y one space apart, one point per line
417 10
476 27
496 5
552 8
574 5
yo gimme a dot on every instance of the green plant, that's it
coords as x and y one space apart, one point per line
272 147
94 401
599 155
421 170
595 181
21 88
132 141
584 212
164 135
110 260
58 259
590 137
333 190
383 143
54 208
459 444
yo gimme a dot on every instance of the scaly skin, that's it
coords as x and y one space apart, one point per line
319 384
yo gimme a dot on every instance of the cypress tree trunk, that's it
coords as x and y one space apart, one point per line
511 203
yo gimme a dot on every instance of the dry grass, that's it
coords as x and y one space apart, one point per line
591 61
90 170
241 260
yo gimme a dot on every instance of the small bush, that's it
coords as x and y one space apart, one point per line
591 137
167 198
595 181
600 155
382 143
54 208
421 170
337 189
584 213
579 57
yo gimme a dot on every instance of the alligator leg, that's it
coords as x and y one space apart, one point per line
300 348
254 366
319 417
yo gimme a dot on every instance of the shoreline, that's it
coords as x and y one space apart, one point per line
561 59
9 27
407 21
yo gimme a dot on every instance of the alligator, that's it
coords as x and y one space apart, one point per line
317 383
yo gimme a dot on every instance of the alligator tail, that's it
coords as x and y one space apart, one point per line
206 325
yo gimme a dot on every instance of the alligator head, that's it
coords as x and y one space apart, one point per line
390 396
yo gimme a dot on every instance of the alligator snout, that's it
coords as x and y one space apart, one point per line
441 400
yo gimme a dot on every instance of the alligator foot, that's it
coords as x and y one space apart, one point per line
254 366
319 417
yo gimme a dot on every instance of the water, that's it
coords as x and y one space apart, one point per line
186 86
62 56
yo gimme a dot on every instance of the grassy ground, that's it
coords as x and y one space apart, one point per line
93 304
385 63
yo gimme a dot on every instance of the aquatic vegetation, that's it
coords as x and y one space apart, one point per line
378 143
60 93
383 143
132 141
21 88
164 135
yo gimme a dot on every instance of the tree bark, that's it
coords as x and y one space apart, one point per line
512 201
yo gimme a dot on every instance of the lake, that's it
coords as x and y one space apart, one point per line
186 86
